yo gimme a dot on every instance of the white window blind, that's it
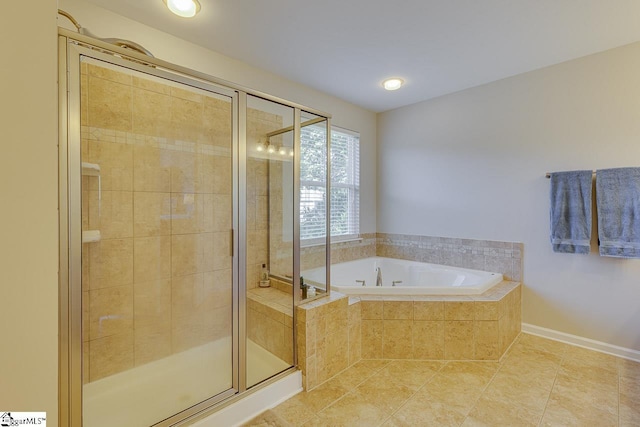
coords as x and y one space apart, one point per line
345 184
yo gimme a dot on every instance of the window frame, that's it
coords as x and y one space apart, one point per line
353 192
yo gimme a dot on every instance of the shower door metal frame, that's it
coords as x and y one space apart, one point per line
71 46
71 182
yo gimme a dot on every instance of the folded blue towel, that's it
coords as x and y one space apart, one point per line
618 203
571 211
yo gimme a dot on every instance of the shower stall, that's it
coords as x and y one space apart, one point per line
180 236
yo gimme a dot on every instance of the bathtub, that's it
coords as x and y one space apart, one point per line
411 277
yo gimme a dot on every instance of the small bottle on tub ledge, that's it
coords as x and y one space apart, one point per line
303 287
264 277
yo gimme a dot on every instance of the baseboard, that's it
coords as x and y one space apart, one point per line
250 406
602 347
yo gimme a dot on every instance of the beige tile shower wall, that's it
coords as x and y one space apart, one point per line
280 229
260 193
497 257
159 281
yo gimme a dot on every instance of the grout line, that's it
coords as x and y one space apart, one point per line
508 349
553 386
416 392
316 414
486 386
347 368
618 366
549 396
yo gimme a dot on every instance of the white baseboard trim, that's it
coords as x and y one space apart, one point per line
602 347
249 407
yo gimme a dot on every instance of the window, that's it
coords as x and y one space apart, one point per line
345 184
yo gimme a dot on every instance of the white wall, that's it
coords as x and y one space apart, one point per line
104 23
28 217
472 165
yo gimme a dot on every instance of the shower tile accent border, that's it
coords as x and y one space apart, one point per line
350 250
99 134
487 255
341 251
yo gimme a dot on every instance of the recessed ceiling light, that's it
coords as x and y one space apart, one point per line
393 83
184 8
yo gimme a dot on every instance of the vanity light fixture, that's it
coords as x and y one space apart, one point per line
393 83
184 8
266 147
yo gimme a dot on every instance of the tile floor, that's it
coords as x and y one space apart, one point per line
539 382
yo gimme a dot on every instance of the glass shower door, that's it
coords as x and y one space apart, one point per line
270 238
157 263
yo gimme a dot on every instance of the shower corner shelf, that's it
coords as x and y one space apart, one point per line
91 236
91 169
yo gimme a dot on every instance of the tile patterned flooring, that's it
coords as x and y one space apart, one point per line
538 382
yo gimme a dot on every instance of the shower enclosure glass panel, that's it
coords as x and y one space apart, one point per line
270 237
314 204
157 266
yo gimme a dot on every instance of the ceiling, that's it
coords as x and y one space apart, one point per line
347 47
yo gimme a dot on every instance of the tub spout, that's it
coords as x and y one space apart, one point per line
378 277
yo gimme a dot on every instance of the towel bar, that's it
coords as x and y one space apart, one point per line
548 174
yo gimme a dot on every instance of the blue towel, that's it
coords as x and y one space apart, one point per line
571 212
618 203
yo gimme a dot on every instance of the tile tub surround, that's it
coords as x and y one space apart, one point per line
336 331
441 328
487 255
329 337
539 382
